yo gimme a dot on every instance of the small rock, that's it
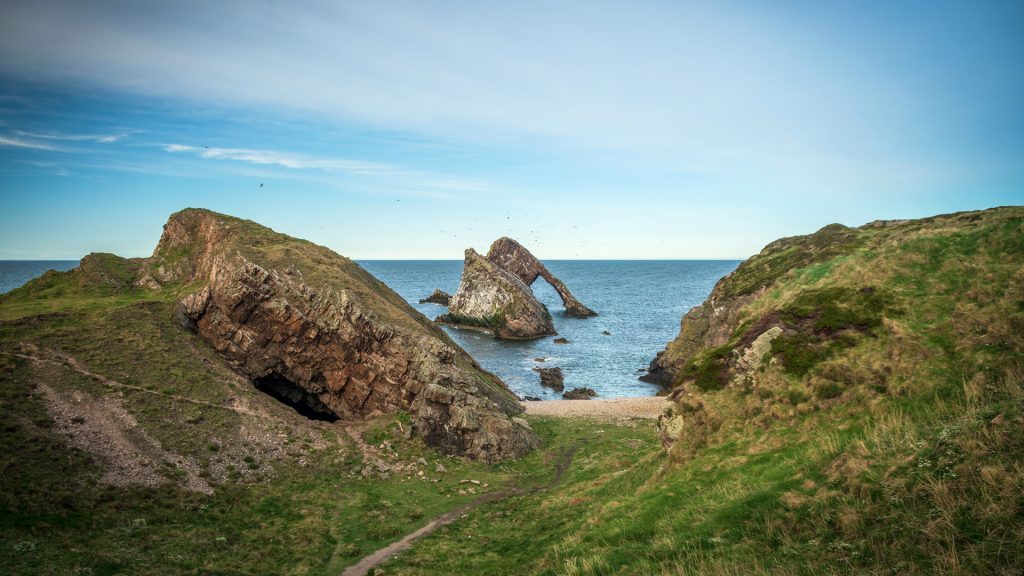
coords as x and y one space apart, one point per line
438 297
561 340
531 398
606 333
440 468
580 394
551 378
421 461
540 359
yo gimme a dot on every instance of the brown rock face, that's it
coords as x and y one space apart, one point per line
493 299
551 378
511 256
301 316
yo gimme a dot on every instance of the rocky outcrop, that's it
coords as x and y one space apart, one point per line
551 378
511 256
302 317
437 297
713 323
580 394
492 299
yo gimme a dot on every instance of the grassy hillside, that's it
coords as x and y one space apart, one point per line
881 433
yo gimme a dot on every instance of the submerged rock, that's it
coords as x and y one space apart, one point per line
551 378
513 257
580 394
561 340
346 344
437 297
492 299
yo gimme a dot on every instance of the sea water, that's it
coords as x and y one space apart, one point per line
640 303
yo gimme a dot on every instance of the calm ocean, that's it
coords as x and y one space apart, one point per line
639 302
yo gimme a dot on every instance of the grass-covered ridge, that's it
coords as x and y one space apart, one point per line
881 433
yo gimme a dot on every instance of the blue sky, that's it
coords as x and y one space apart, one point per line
583 129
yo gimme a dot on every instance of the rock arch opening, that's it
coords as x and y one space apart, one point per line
287 392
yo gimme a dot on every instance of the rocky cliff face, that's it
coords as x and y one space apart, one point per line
511 256
304 317
494 299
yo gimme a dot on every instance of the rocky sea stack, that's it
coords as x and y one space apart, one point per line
302 319
493 299
511 256
495 295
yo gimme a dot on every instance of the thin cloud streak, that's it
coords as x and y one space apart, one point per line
362 168
98 138
19 143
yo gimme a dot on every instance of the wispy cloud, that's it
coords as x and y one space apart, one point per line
98 138
288 160
13 142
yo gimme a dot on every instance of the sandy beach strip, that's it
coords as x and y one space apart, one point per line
647 407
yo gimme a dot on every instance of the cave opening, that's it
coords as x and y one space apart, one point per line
287 392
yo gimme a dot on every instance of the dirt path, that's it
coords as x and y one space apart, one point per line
388 552
648 407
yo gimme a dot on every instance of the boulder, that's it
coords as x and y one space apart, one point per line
437 297
551 378
580 394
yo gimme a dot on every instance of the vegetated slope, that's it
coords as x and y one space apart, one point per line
849 402
128 445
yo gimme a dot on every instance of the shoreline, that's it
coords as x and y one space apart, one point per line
650 407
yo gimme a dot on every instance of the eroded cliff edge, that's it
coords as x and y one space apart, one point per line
286 310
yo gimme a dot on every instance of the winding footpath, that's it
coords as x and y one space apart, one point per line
382 555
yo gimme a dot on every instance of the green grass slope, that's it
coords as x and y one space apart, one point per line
883 433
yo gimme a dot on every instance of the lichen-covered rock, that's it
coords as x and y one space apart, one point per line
513 257
280 308
750 359
437 297
492 299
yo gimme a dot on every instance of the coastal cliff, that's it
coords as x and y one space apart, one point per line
308 319
836 316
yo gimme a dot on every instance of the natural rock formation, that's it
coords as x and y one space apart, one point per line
580 394
551 378
302 317
437 297
561 340
511 256
492 299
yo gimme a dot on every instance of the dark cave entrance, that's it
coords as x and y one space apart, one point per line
287 392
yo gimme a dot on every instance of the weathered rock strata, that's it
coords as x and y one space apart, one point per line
491 298
345 340
513 257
